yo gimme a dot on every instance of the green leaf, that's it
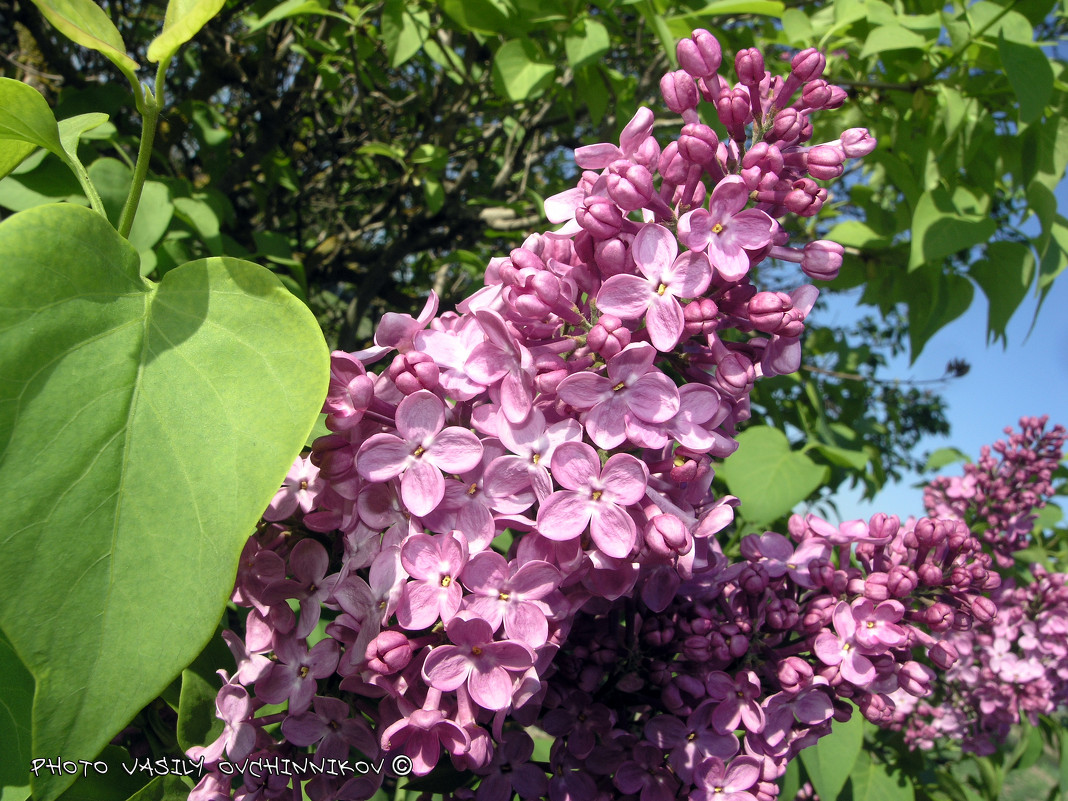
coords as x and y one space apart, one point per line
87 24
940 229
1064 761
769 477
72 129
434 193
163 788
943 456
161 419
1030 75
26 117
586 42
16 692
402 31
797 26
831 760
153 218
682 25
197 721
180 24
871 781
1004 275
294 8
842 457
521 70
934 300
12 154
891 37
112 179
112 784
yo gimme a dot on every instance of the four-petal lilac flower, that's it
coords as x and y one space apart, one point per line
424 448
595 496
668 276
727 229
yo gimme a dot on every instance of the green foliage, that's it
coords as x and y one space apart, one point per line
830 763
769 475
183 405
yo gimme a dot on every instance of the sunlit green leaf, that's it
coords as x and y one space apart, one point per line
1030 76
86 23
830 761
182 21
768 475
161 419
521 70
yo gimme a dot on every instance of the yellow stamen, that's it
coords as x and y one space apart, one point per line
717 228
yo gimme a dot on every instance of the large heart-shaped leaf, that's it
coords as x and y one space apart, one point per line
145 427
768 475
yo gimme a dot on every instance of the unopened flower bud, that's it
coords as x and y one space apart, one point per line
599 216
816 94
679 91
700 55
667 535
630 185
700 317
983 609
749 65
414 371
786 128
857 142
608 337
389 652
806 198
930 575
767 310
938 617
611 257
824 162
808 65
698 144
943 654
734 111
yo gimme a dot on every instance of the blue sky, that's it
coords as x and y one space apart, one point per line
1028 377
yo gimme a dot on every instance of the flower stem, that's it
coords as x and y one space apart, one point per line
153 102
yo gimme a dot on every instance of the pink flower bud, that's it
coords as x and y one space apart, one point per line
875 587
414 371
389 652
672 166
630 185
700 55
749 65
599 216
667 535
794 673
824 162
983 609
679 91
786 127
767 311
943 654
806 198
901 581
698 144
700 317
821 260
857 142
816 95
938 617
734 111
608 337
808 65
611 257
930 575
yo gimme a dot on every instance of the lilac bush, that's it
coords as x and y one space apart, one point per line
511 523
1017 667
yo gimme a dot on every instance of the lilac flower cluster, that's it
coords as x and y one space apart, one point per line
511 523
1001 493
1017 666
